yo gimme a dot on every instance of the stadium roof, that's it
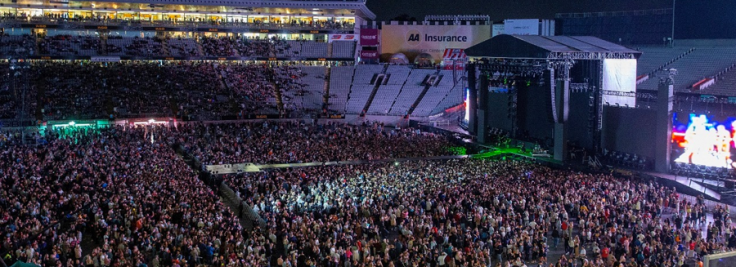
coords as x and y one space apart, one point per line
535 46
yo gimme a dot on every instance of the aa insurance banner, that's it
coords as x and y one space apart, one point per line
431 39
368 36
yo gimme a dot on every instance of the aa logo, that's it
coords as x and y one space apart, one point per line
413 37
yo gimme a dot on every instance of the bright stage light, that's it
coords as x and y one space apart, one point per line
467 106
72 123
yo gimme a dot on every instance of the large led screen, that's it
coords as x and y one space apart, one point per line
704 141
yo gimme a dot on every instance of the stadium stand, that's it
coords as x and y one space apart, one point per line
343 49
9 44
384 99
68 45
699 64
453 98
725 84
8 99
183 47
410 91
656 58
362 87
116 45
340 80
145 47
313 49
308 90
397 74
435 95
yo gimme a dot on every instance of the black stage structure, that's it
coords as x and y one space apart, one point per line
552 86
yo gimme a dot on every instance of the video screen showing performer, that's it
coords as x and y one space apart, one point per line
704 141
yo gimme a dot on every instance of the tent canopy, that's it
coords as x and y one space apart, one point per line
423 58
399 58
535 46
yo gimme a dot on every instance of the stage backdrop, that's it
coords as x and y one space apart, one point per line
413 40
619 75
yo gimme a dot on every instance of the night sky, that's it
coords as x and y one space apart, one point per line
504 9
695 19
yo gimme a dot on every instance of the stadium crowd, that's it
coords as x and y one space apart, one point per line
473 213
127 201
123 197
189 90
292 142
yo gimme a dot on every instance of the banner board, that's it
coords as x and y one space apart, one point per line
497 29
413 40
369 54
342 37
521 26
368 36
105 59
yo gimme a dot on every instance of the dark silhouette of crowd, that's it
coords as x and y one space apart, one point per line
189 90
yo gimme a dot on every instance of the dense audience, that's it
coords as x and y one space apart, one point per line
8 94
99 90
123 197
109 198
243 47
190 90
473 213
70 45
282 142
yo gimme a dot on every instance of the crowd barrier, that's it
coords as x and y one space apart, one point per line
247 216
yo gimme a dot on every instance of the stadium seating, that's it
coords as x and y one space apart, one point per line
309 90
453 98
654 58
67 45
340 81
9 44
313 50
409 93
183 47
361 88
116 45
343 49
290 48
725 85
436 94
698 64
145 47
384 99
